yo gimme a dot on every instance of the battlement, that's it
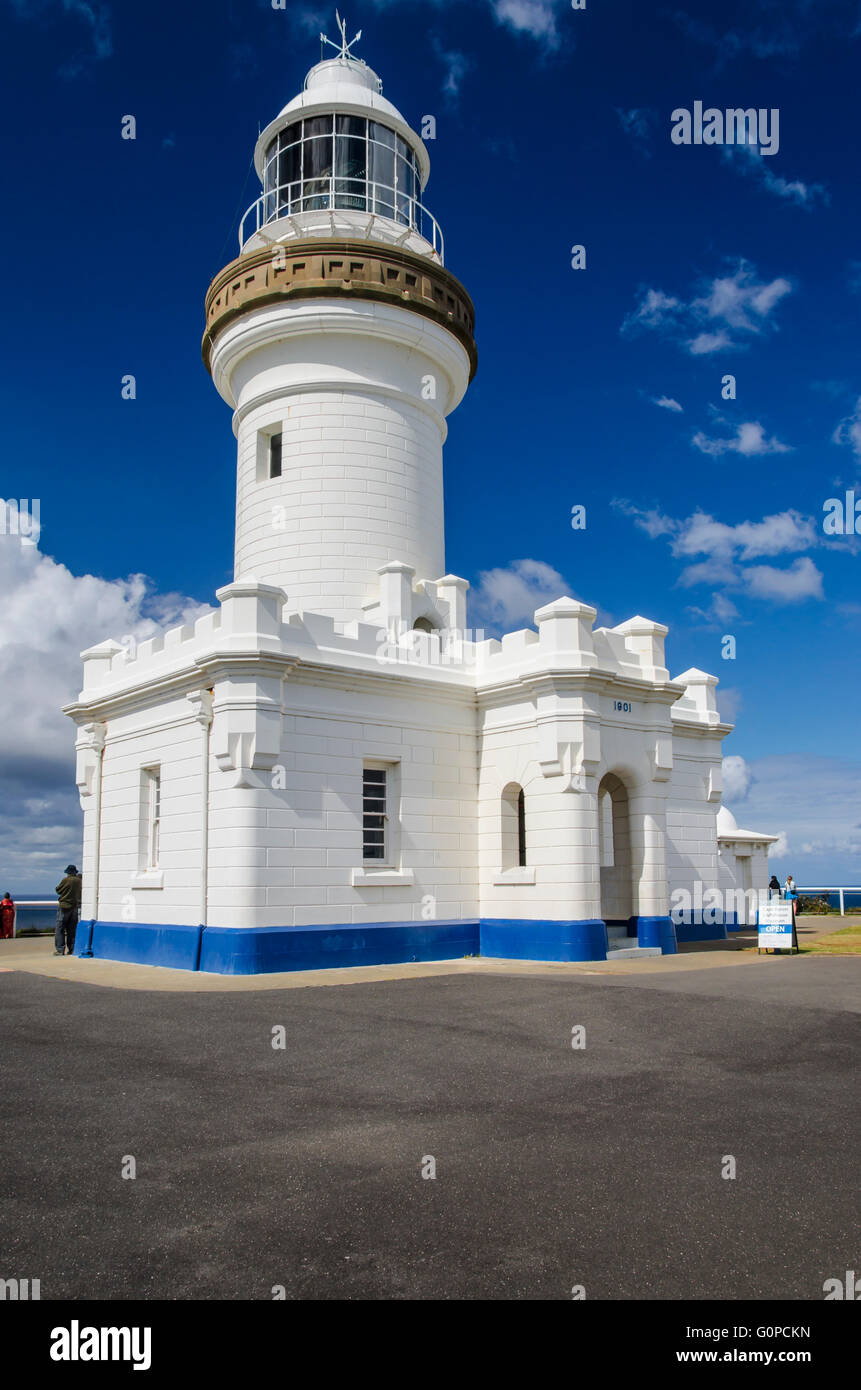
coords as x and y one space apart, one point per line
255 620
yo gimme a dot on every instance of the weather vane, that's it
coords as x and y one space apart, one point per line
344 50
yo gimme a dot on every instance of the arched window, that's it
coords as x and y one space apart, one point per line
513 808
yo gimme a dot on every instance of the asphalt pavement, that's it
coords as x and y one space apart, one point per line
601 1166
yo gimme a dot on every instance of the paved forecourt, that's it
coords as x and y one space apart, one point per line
555 1166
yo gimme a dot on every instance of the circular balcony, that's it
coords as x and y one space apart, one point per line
341 206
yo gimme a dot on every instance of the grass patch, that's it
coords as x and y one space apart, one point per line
840 943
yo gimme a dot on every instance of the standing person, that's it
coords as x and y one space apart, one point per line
68 892
790 893
773 887
7 917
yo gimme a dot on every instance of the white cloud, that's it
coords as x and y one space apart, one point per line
729 549
749 160
93 16
801 581
727 312
508 596
537 18
737 778
814 804
48 616
456 66
750 439
667 403
849 430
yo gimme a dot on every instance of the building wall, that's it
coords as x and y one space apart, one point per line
361 485
692 806
284 841
166 736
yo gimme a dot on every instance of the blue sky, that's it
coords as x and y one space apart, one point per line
599 387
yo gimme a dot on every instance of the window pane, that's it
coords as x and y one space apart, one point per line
350 155
406 191
382 176
373 813
318 125
382 134
275 456
289 174
317 174
351 125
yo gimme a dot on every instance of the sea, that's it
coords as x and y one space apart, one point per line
45 918
40 918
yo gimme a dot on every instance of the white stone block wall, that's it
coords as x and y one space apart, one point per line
361 485
166 736
691 816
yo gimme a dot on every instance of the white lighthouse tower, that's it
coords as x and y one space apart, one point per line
324 770
342 344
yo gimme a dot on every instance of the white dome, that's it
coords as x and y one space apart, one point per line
726 822
352 88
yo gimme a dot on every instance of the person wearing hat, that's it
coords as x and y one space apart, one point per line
68 892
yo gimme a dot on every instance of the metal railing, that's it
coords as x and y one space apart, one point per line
22 903
831 888
332 194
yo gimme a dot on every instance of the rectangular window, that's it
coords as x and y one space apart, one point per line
275 455
375 838
152 777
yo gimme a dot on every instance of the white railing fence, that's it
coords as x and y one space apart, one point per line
332 194
808 889
22 903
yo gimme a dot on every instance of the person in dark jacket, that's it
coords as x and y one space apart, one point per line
773 887
68 892
7 917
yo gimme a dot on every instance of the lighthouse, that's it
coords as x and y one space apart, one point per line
342 344
328 769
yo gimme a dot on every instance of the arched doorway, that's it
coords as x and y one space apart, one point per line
614 841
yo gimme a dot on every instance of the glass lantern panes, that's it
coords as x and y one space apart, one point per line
341 161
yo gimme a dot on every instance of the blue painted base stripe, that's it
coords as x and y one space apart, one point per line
541 940
657 931
270 950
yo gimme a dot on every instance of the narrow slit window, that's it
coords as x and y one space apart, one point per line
374 813
275 441
521 830
153 817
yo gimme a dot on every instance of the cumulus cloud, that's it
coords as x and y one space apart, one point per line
802 580
729 551
667 403
728 311
535 19
507 597
737 778
749 439
48 616
814 804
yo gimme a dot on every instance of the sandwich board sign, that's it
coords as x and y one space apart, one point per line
775 927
